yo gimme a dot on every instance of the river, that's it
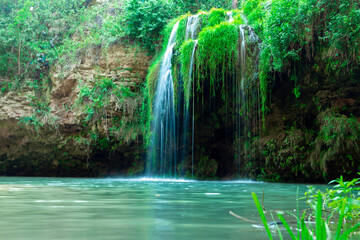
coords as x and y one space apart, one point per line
104 209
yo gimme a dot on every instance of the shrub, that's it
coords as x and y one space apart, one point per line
144 20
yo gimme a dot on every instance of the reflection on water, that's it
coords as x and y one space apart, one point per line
64 208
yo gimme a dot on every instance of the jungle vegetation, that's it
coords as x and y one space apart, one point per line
319 37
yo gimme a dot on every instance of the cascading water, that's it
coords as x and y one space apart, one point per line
192 27
171 130
230 17
248 120
162 153
193 108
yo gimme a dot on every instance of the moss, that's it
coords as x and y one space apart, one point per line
180 38
238 19
338 135
185 61
180 34
216 56
214 17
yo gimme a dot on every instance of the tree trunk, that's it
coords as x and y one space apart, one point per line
234 4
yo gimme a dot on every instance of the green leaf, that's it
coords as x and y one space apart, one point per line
262 215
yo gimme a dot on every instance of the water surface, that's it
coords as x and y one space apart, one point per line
71 208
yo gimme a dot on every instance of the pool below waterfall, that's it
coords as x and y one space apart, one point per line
72 208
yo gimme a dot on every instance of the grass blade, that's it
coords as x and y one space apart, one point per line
339 226
286 225
305 234
318 216
297 213
350 230
262 215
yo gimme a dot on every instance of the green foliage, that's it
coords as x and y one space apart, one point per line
338 135
238 17
186 50
255 12
320 231
294 30
262 215
215 56
97 98
98 103
341 203
214 17
29 28
193 6
297 91
181 32
41 115
281 32
145 19
98 25
205 167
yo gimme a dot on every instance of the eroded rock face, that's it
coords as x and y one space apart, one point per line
313 138
54 144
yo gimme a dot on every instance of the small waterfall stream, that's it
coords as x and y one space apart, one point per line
248 120
192 27
230 17
162 154
193 108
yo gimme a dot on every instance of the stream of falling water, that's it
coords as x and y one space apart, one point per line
162 153
192 28
243 95
248 120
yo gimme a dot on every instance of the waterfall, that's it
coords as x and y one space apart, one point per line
162 153
248 119
230 17
186 119
173 131
243 92
192 27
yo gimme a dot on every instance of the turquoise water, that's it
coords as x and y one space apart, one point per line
72 208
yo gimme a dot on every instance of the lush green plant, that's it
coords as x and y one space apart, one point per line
294 30
255 12
31 28
307 232
97 98
214 17
101 104
338 135
145 19
41 114
340 202
222 39
186 51
193 6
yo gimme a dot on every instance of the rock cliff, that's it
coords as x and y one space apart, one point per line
54 139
